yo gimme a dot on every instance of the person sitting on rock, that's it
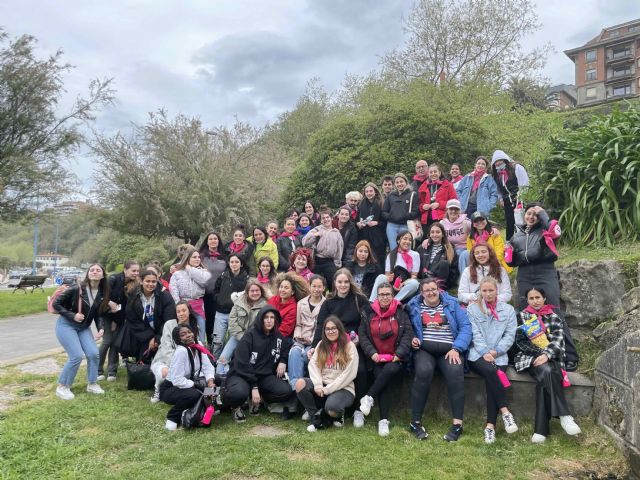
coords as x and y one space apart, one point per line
540 351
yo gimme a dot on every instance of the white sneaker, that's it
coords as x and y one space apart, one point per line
305 416
171 426
366 403
358 419
312 428
509 423
339 422
100 378
111 378
569 425
63 392
489 435
95 388
383 427
537 438
155 398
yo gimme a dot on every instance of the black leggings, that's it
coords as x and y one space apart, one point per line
180 398
272 389
425 360
386 375
496 394
509 218
336 403
327 268
210 315
550 399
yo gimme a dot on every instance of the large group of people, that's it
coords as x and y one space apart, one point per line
325 317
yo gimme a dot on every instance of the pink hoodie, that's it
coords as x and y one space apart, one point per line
458 231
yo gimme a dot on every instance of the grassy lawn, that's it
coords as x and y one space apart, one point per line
121 435
21 303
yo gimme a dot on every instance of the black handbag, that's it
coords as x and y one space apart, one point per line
139 375
192 417
125 342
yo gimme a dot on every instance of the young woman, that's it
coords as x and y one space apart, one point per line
434 194
386 341
294 213
233 280
484 263
348 304
332 370
162 359
364 267
214 259
267 276
511 179
494 328
540 351
301 261
477 190
79 306
310 212
535 259
437 257
188 282
455 173
290 288
370 224
401 205
272 228
264 246
401 269
305 224
240 247
457 227
482 231
259 366
287 242
190 366
327 244
241 318
120 284
306 322
349 233
147 311
442 334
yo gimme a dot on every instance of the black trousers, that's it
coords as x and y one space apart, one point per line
327 268
496 393
180 398
386 376
272 389
509 218
210 315
335 403
425 360
108 351
550 399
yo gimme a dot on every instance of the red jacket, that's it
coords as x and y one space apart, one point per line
445 193
288 311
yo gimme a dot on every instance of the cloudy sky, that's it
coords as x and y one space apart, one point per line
218 59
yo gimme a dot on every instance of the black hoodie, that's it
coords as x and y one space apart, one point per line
258 354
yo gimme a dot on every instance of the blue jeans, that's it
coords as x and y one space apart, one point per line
202 329
463 259
393 229
297 362
227 355
409 289
77 340
219 332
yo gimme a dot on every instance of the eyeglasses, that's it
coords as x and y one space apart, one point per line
331 329
385 295
430 290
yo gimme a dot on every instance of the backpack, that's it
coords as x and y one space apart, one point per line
51 300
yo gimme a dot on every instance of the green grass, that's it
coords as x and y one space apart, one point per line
121 435
21 303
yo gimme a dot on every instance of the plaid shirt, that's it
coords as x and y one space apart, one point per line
527 351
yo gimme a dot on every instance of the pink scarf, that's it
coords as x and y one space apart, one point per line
235 248
550 235
213 254
544 310
492 308
481 237
293 234
408 261
420 178
333 348
201 349
477 176
262 279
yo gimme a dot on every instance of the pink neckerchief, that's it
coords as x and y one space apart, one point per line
262 279
213 254
201 349
504 176
333 348
408 261
477 176
420 178
550 235
456 179
482 237
492 308
544 310
235 248
293 234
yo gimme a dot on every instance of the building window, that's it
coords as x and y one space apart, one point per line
591 92
621 90
590 56
591 74
621 52
634 28
621 71
614 33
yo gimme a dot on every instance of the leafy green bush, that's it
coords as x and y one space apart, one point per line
593 177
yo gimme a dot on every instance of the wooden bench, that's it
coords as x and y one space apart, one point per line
32 282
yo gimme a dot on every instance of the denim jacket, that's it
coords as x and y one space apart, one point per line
487 193
492 334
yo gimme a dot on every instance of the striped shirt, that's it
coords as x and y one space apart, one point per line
435 326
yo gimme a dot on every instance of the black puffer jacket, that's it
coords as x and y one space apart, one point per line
164 309
529 247
227 284
117 295
349 237
396 207
439 267
67 305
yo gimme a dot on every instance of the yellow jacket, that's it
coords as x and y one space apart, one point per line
497 244
270 249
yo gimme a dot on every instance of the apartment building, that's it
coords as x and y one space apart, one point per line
608 66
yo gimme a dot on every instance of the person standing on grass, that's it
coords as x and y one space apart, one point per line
327 245
79 306
190 368
494 328
385 338
540 351
259 366
442 336
120 284
214 259
162 358
333 367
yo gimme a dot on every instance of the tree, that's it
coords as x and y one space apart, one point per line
467 41
176 178
34 138
528 92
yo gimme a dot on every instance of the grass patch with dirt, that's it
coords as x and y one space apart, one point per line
21 303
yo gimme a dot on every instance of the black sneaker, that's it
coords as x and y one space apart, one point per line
418 430
238 415
286 414
571 366
454 433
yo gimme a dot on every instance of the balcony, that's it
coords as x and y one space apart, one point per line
620 57
619 77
